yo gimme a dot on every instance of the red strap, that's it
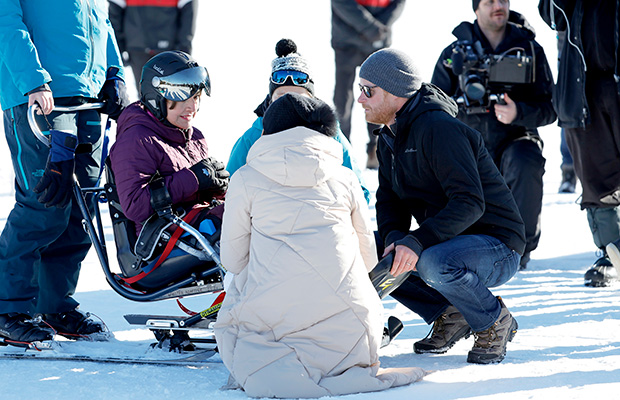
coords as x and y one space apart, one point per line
152 3
374 3
173 240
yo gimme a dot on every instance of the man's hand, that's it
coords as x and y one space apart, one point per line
45 100
506 113
113 94
405 259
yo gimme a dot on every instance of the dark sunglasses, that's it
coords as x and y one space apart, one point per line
298 77
182 85
366 89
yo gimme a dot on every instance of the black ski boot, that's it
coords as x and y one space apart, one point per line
76 325
21 328
601 274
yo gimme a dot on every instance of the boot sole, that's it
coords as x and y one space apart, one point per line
475 358
462 334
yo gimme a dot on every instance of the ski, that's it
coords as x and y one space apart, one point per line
395 326
79 352
194 360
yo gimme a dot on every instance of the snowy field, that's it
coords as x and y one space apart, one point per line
568 343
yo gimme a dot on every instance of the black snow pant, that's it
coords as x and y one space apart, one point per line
596 148
596 154
347 61
522 165
41 248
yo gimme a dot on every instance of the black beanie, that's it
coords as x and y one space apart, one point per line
288 59
293 110
474 4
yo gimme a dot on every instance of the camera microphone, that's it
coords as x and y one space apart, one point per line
457 62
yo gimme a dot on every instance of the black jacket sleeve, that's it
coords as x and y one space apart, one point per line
393 215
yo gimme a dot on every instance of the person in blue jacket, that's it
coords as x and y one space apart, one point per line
289 73
52 53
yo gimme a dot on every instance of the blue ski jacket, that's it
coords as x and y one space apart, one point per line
68 44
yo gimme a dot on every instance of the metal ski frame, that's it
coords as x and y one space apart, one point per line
97 236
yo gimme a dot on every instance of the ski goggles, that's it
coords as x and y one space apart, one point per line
183 85
366 89
298 77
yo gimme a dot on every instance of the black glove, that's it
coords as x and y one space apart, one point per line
113 94
56 184
212 175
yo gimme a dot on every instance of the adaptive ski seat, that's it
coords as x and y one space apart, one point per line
140 257
170 258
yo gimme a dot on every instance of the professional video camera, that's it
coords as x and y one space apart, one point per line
483 78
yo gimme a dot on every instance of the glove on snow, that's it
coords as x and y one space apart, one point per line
56 184
113 94
212 176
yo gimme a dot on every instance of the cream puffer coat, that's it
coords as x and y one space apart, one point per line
300 318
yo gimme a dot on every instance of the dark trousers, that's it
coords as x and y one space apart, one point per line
522 165
347 61
596 148
41 249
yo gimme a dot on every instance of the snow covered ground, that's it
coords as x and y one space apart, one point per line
568 343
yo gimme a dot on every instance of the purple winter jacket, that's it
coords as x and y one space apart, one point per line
144 146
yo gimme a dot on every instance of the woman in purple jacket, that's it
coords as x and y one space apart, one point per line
155 139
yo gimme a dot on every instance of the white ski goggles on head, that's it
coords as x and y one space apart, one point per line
182 85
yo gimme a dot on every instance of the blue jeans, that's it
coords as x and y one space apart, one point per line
459 271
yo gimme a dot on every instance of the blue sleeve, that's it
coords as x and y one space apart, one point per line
113 54
239 152
17 51
349 161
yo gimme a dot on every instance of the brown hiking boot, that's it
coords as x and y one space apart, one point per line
490 344
448 329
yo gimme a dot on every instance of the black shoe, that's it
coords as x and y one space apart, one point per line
74 324
22 328
448 329
601 274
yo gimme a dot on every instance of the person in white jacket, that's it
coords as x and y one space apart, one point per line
301 317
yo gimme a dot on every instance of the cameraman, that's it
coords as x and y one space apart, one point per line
509 129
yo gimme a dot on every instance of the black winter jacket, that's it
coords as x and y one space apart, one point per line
153 26
534 104
437 169
365 28
600 59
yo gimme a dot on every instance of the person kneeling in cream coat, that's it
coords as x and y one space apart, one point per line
301 317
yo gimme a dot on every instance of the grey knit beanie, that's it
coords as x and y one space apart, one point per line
393 71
